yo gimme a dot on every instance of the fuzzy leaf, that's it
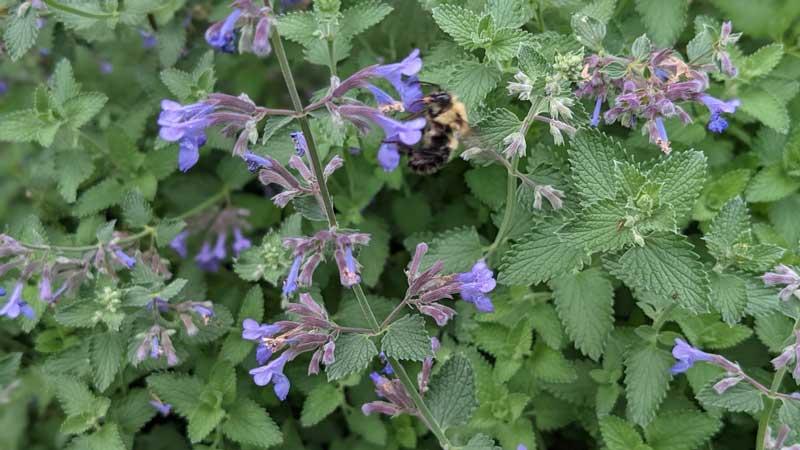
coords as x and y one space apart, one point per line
353 353
321 402
20 33
539 256
646 381
664 20
681 430
407 339
585 304
459 249
460 23
249 424
452 393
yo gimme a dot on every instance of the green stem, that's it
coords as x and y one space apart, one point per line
508 214
332 58
316 165
425 413
365 308
68 9
769 406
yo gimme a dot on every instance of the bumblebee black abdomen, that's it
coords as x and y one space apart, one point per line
446 121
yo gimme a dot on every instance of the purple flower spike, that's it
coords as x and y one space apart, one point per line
254 162
290 285
163 408
16 304
240 243
178 243
686 356
784 275
221 35
273 373
219 247
123 257
206 259
403 77
253 331
185 124
475 284
388 156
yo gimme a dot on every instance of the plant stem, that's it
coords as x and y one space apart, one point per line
511 202
769 406
425 413
316 166
331 58
68 9
419 403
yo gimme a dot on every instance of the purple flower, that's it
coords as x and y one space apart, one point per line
273 373
178 243
240 243
300 144
596 114
290 285
783 275
203 310
123 257
254 331
3 87
219 247
261 46
388 156
163 408
348 266
522 447
185 124
16 304
403 77
221 35
263 353
686 356
254 162
106 67
408 133
717 123
475 284
149 39
206 258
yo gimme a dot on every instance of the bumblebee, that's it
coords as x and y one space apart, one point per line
446 123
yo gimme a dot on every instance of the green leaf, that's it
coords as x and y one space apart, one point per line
108 437
459 249
681 430
407 339
664 20
298 27
667 267
321 402
75 167
81 108
135 210
599 228
488 184
539 256
178 82
646 381
234 348
460 23
550 366
102 195
452 393
167 230
728 296
766 107
742 397
9 366
20 126
592 157
585 304
203 420
681 176
362 16
509 13
371 428
132 411
481 442
170 43
353 353
770 184
63 85
107 353
181 391
249 424
761 62
731 226
20 33
506 43
589 31
472 82
619 435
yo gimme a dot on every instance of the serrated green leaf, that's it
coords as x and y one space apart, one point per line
664 20
107 352
488 184
178 82
472 82
585 304
170 43
539 256
167 230
506 44
321 402
460 23
362 16
681 176
459 249
742 397
550 366
646 381
728 296
249 424
135 210
203 420
407 339
592 158
298 27
20 126
180 391
761 62
770 184
667 267
765 107
20 33
452 393
599 228
75 167
102 195
353 353
619 435
681 430
63 85
509 13
81 108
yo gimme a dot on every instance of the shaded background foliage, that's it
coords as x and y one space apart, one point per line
555 367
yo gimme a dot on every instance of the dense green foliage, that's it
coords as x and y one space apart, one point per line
607 244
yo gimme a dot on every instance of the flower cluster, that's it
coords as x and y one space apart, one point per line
253 22
312 331
403 78
273 173
784 275
216 227
651 86
396 399
155 344
309 252
156 341
186 124
427 288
